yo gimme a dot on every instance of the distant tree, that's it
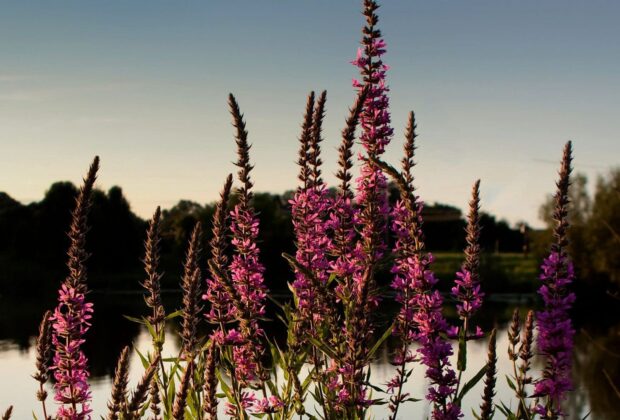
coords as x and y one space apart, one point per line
595 227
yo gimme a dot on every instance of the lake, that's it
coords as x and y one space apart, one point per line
596 356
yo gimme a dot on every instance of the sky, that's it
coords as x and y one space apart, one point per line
497 87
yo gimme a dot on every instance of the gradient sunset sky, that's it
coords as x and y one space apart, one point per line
497 86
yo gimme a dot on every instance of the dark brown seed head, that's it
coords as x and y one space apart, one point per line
178 411
472 251
525 350
44 353
138 396
77 232
243 153
210 383
316 139
155 399
304 143
192 306
410 147
514 331
119 387
152 284
219 240
560 212
487 408
345 151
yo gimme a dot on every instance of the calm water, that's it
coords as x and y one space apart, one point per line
596 352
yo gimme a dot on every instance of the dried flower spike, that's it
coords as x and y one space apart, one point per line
487 407
119 385
152 284
192 302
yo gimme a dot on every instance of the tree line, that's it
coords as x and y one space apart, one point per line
33 237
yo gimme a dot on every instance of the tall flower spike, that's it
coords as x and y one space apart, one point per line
246 269
309 212
407 226
71 319
343 212
376 134
555 329
466 290
44 358
119 385
191 293
152 283
371 218
486 408
221 309
420 318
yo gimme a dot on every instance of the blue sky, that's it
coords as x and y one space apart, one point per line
498 88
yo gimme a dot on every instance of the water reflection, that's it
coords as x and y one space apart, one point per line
597 355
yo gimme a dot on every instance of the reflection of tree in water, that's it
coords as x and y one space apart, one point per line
597 354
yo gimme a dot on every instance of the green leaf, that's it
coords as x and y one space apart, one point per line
331 278
323 347
225 387
461 363
471 383
174 314
143 359
380 341
151 329
511 384
134 319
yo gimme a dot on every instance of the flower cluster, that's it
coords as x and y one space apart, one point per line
342 243
555 330
467 292
71 320
427 326
246 269
309 208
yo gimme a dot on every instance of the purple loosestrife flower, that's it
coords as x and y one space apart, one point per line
221 309
375 136
420 318
309 207
271 404
343 213
357 268
555 330
466 288
246 269
71 318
